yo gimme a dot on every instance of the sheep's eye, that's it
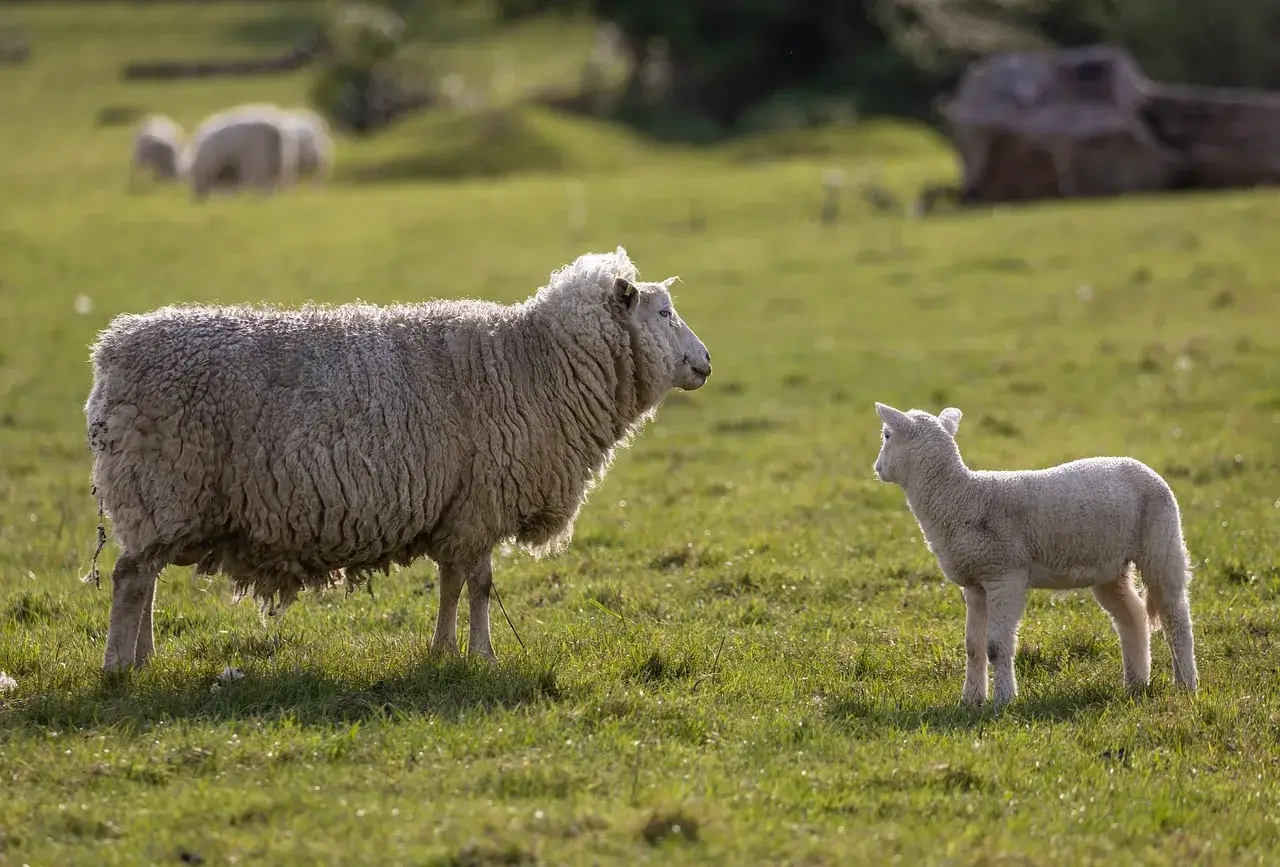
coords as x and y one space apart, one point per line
886 435
665 311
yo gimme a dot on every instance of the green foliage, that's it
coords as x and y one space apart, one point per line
727 58
360 84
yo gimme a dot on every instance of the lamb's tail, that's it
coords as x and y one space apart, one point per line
1153 613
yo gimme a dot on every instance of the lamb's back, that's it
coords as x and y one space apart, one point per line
1080 513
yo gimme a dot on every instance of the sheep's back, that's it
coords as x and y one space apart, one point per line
298 435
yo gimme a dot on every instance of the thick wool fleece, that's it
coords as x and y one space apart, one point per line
1085 523
286 447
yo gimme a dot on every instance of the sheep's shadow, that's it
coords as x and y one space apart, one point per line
444 688
890 712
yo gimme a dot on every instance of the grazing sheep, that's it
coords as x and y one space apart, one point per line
296 448
253 145
158 146
997 534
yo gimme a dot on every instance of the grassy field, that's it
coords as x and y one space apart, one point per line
748 655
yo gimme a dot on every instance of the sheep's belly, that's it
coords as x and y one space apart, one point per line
1044 577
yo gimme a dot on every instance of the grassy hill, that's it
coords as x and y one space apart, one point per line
748 655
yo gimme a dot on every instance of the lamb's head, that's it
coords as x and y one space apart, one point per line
915 439
672 355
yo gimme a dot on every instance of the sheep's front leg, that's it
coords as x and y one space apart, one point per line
445 640
975 646
479 586
1006 600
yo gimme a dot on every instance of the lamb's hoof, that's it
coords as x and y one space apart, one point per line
973 701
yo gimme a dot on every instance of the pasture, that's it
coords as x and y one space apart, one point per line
747 655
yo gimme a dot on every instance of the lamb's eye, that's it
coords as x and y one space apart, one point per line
886 436
665 312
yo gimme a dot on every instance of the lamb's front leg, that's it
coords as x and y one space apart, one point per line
479 586
1006 600
975 646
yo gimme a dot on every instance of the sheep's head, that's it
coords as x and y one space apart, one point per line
908 438
673 355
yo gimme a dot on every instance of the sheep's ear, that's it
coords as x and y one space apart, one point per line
950 418
895 419
626 293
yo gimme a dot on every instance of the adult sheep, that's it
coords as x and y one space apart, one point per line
997 534
296 448
254 145
157 146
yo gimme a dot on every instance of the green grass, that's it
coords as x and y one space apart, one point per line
747 638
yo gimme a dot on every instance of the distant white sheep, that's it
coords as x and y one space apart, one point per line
158 146
997 534
254 145
292 448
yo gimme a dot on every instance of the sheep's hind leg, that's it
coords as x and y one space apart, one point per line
479 586
1121 601
133 583
1006 600
975 640
445 640
146 635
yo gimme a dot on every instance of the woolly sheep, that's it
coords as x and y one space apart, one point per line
157 146
253 144
997 534
296 448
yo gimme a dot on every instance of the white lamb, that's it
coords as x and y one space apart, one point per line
157 146
997 534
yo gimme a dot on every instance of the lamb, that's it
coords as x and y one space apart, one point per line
253 144
157 146
997 534
293 449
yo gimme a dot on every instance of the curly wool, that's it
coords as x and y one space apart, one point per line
294 448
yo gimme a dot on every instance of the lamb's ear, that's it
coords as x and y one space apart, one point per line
626 293
950 418
895 419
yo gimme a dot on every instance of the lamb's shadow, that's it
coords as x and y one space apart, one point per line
1055 706
441 688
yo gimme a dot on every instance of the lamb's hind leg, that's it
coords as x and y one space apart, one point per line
133 583
1167 596
1121 601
